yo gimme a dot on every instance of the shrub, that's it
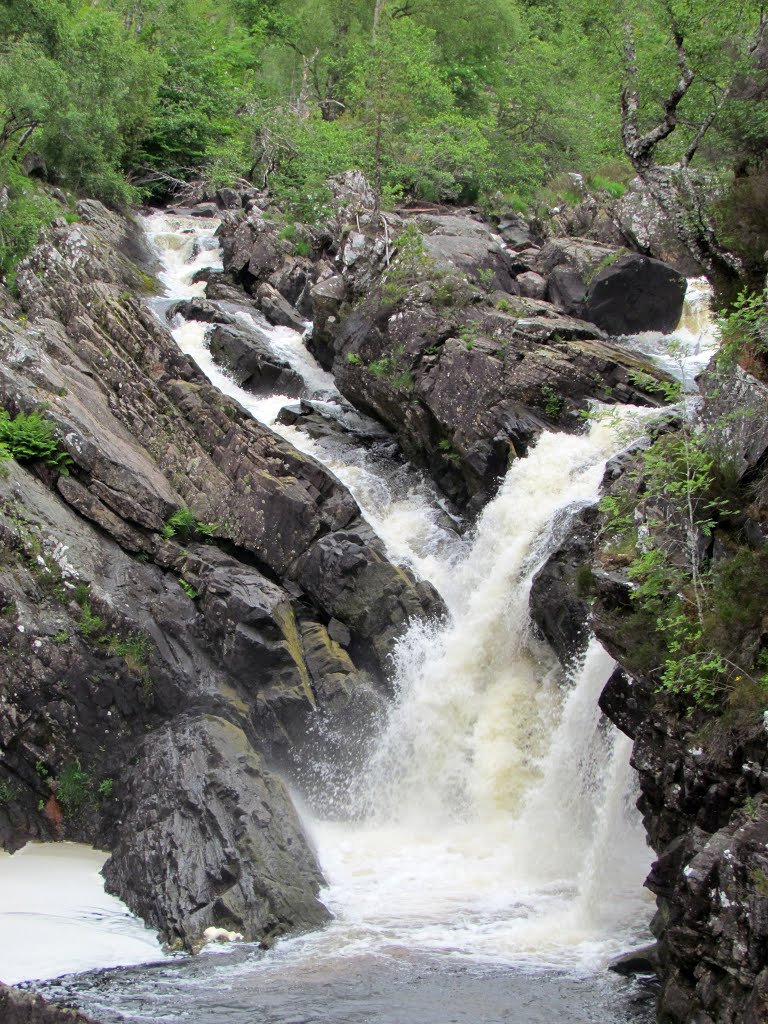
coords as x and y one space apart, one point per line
28 436
27 211
73 790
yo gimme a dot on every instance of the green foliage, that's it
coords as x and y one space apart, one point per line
135 649
107 788
26 211
191 592
73 790
743 330
91 626
614 189
8 792
553 403
184 525
29 437
354 359
699 617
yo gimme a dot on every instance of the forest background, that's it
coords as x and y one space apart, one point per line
483 102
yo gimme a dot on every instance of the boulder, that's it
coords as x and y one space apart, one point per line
635 293
620 292
248 356
277 309
210 838
531 285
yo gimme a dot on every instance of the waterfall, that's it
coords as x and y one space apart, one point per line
495 817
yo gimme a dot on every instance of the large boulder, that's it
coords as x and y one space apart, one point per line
635 293
210 839
248 356
620 292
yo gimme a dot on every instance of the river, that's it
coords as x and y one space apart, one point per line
488 862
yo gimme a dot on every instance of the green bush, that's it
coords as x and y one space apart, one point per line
184 525
29 437
26 212
73 790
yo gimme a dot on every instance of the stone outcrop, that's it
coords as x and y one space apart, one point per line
113 627
209 838
26 1008
451 345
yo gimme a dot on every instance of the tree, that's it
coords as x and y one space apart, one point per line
705 79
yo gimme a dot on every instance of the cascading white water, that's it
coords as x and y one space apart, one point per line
495 796
494 827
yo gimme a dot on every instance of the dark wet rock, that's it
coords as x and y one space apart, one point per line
243 640
248 356
200 309
566 290
209 838
635 293
466 395
17 1007
638 961
333 423
621 292
277 309
561 590
347 573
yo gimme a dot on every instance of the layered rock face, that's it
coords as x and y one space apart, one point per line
144 677
463 343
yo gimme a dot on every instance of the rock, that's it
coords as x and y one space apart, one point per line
200 309
243 644
560 590
248 356
18 1007
204 210
620 292
515 231
277 309
229 198
633 294
531 285
638 961
210 839
466 247
581 255
648 228
566 289
734 412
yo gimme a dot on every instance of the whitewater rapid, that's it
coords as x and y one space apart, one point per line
495 796
492 835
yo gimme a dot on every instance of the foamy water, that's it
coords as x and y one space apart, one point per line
56 918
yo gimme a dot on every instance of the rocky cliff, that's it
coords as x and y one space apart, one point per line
146 672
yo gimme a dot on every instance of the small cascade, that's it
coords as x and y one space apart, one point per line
495 817
685 352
